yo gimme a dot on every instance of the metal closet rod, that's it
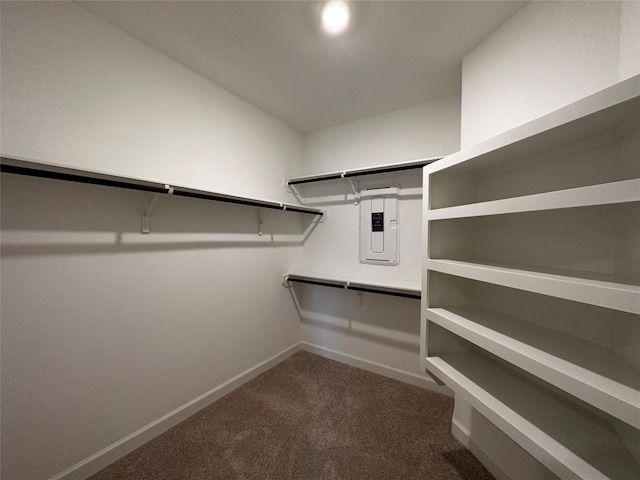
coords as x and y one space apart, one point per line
362 172
349 286
145 186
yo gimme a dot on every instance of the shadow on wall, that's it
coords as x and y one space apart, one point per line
44 217
383 319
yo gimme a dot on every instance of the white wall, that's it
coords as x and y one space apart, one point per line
629 39
383 329
547 55
79 92
428 129
105 330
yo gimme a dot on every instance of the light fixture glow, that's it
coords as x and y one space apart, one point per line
335 17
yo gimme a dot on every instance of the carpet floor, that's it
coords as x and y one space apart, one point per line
310 418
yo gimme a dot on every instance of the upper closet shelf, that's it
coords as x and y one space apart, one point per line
37 169
605 194
396 289
613 111
359 172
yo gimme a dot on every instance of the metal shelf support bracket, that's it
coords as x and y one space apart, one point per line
322 217
356 193
151 206
262 217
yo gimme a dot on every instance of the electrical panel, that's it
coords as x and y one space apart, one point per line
379 226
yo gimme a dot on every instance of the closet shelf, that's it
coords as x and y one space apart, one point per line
605 194
614 295
359 172
57 172
571 403
584 369
396 289
568 439
612 111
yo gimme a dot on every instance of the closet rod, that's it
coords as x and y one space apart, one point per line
73 177
349 286
398 167
32 169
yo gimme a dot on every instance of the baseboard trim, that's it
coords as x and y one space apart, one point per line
464 436
113 452
401 375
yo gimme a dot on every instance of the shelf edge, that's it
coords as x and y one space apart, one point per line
388 168
616 296
624 191
582 388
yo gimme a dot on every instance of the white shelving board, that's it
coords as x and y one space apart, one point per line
570 441
618 296
358 172
606 194
599 114
55 171
585 369
403 288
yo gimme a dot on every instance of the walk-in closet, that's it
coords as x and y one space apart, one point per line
319 240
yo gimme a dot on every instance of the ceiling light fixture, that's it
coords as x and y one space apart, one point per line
335 17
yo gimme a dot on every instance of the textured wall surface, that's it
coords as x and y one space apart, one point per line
105 330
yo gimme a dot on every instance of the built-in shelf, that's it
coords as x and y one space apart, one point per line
611 113
605 194
587 370
569 440
531 300
396 289
359 172
58 172
608 294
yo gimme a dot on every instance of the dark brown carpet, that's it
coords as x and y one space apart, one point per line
310 418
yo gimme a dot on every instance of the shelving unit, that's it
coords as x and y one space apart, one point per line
396 289
379 173
350 175
531 283
58 172
360 172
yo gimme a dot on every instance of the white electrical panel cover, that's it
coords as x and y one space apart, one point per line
379 226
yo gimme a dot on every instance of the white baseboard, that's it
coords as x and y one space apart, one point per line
375 367
113 452
464 436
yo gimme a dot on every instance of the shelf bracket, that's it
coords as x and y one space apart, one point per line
151 206
321 218
291 189
262 217
356 194
285 281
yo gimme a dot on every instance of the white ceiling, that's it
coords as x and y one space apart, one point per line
274 54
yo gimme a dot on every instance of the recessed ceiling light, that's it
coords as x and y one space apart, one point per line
335 17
